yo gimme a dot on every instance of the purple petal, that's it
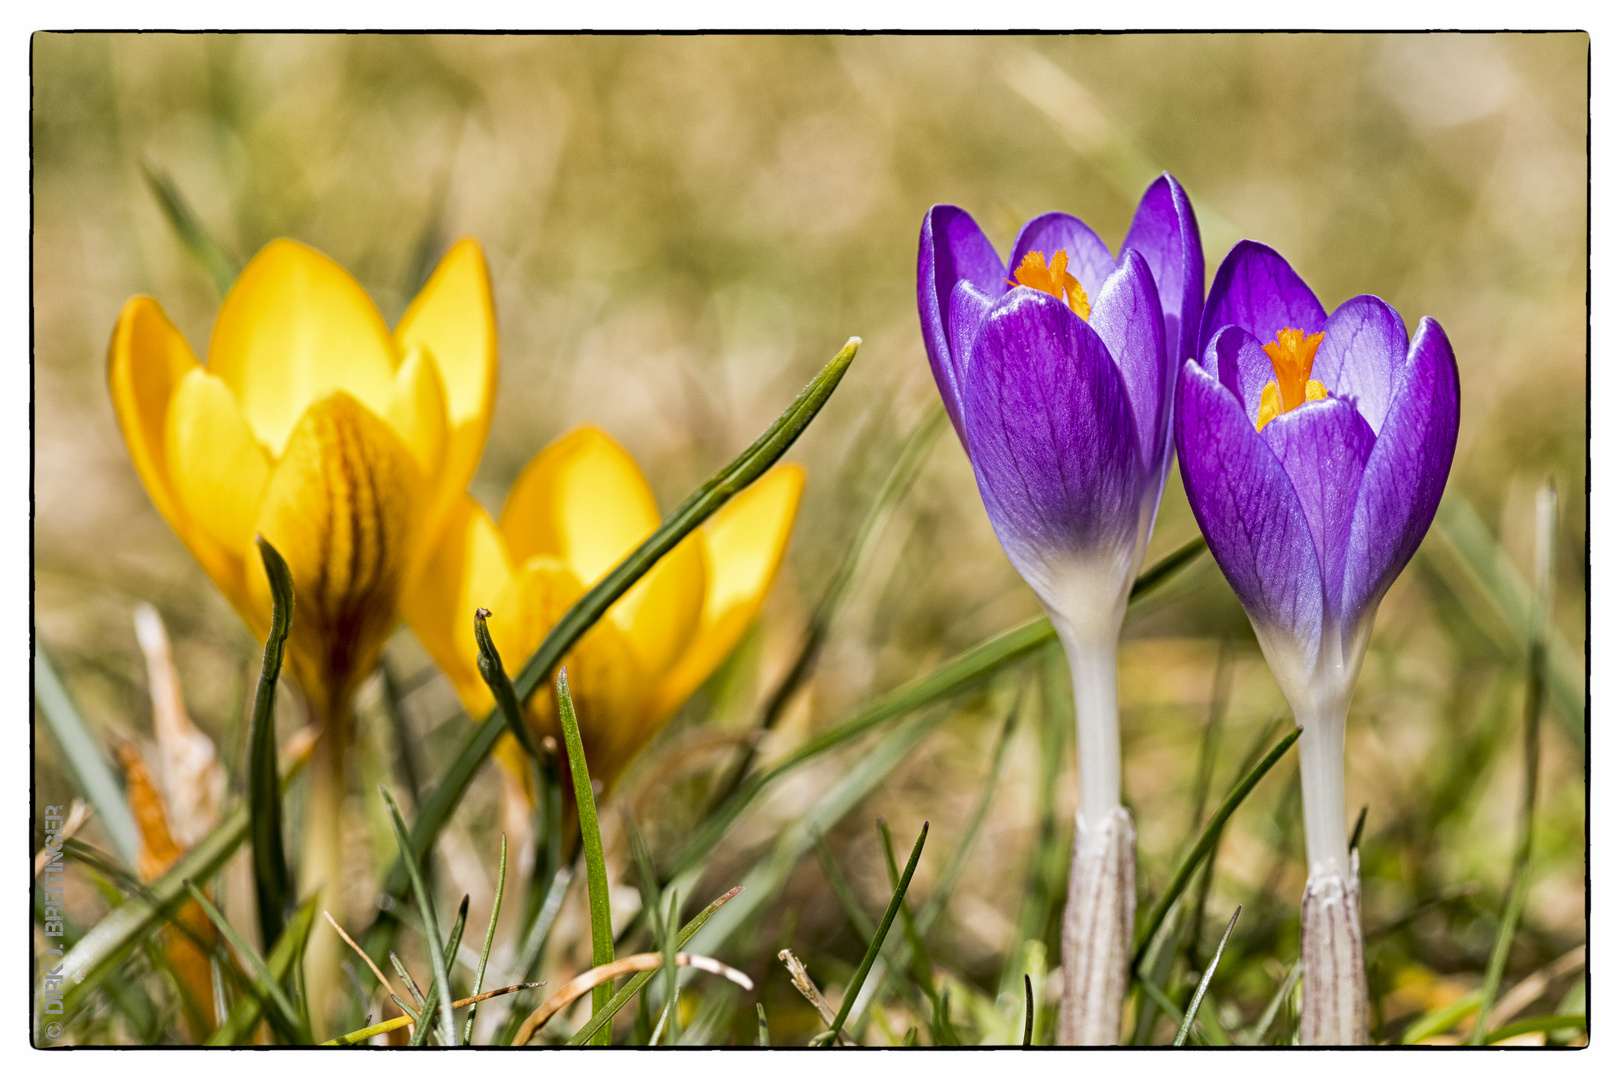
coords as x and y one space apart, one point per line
1126 317
1406 472
1240 363
1050 432
1256 289
1248 511
952 248
1323 447
969 308
1165 231
1362 349
1089 258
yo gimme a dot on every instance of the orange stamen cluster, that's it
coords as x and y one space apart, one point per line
1054 279
1291 357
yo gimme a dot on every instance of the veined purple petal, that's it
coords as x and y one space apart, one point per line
1256 289
1050 432
1126 316
1363 347
1406 472
1237 359
1089 258
1323 447
1248 511
969 308
1165 231
951 248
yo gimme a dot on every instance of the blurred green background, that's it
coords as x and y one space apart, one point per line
681 230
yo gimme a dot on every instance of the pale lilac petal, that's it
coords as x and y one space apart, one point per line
1050 433
1240 363
1125 315
969 308
1089 258
951 248
1323 447
1256 289
1406 472
1165 231
1248 511
1362 349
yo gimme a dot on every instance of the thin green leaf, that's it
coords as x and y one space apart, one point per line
672 989
489 942
438 989
1029 1011
534 945
393 702
1355 833
1262 1027
93 776
1575 1021
266 982
430 922
282 962
764 1030
405 977
646 876
595 861
437 806
1442 1019
858 919
601 1019
272 884
922 967
853 991
223 267
494 675
1203 984
1206 843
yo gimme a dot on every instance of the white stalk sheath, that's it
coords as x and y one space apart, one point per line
1098 925
1333 1008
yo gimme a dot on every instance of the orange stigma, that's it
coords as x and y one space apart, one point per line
1054 279
1291 359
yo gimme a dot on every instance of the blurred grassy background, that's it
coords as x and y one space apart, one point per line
682 229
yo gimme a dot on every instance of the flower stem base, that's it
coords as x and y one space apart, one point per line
1333 1009
1098 925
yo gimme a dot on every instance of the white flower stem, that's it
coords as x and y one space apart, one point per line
1094 671
1333 1007
322 865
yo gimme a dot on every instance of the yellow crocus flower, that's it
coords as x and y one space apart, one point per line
578 508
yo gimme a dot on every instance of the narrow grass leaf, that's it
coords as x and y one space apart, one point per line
1575 1021
93 776
764 1038
1029 1011
1256 1035
272 884
282 962
1203 984
430 922
489 942
858 919
223 268
854 989
437 989
266 982
591 840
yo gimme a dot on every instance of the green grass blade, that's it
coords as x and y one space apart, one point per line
1262 1027
223 267
1206 843
601 1019
1537 1023
410 983
854 988
84 759
858 919
282 961
1441 1019
1355 833
908 463
1029 1012
430 1000
430 922
764 1030
672 988
437 806
922 967
646 875
1203 984
494 676
267 983
534 944
272 884
489 942
595 861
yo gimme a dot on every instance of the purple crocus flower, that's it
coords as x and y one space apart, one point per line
1058 369
1314 449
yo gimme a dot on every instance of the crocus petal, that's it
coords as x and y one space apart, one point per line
1125 316
341 509
1089 258
1050 433
952 248
582 500
467 568
416 412
1248 512
219 471
145 362
969 308
523 611
296 326
1165 231
743 546
1323 447
661 612
1237 360
1256 289
1406 472
1362 349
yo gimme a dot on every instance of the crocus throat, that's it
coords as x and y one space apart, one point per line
1055 280
1291 357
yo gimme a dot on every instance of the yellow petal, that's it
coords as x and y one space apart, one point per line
294 327
467 569
453 318
146 360
341 509
219 472
416 412
661 612
743 547
581 500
